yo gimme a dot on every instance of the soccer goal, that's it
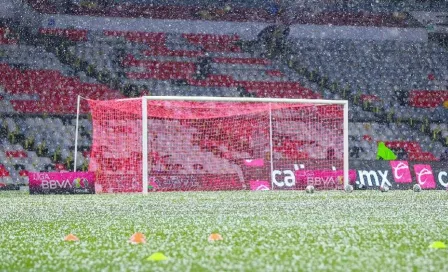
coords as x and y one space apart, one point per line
158 143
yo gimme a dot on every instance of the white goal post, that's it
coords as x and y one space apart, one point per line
217 143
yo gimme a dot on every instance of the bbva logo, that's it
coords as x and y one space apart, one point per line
77 183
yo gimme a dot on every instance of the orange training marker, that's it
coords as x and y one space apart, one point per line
137 238
71 238
215 237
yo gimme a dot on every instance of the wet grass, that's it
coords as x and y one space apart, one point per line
262 231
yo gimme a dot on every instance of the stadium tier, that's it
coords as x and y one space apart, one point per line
360 13
47 91
170 64
37 82
408 78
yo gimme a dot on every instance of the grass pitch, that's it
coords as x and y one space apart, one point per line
262 231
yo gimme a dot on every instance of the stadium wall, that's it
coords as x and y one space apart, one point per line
359 33
246 30
398 175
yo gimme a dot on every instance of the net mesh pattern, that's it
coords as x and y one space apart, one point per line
214 145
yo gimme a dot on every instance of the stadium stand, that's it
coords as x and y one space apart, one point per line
359 13
33 81
389 74
396 97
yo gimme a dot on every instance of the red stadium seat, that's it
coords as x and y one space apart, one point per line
53 92
71 34
427 99
3 171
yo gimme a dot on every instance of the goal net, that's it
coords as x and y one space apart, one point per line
206 143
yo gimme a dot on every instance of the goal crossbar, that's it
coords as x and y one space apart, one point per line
241 99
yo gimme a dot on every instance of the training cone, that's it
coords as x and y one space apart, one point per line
437 244
71 238
137 238
157 257
215 237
